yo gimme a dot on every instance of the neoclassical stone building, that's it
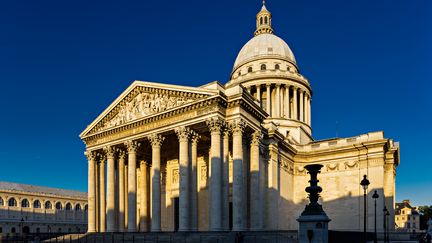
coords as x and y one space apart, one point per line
228 157
36 209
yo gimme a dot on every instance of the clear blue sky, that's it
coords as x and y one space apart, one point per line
63 62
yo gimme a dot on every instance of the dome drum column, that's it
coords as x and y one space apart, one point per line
287 101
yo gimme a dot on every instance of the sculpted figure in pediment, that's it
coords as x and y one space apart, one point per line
145 104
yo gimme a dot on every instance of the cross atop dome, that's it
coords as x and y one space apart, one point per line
263 21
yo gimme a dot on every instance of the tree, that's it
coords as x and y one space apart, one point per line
425 215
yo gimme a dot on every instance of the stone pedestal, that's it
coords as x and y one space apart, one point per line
313 221
313 228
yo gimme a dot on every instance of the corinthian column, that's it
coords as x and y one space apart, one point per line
110 154
225 179
239 222
287 101
91 191
132 202
121 185
156 143
295 108
215 126
255 206
268 96
301 106
194 182
102 200
278 103
183 135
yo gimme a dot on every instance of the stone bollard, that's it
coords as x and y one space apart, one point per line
313 222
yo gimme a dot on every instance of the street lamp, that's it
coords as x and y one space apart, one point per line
375 196
21 225
385 223
388 225
364 183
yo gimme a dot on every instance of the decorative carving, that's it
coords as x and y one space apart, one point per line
195 137
183 133
91 155
145 104
256 138
238 126
175 176
131 146
203 173
121 154
351 164
109 152
332 166
156 140
215 124
301 170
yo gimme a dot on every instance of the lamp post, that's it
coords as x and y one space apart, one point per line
385 223
375 196
388 225
21 225
364 183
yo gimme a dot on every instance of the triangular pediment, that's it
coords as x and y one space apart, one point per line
144 99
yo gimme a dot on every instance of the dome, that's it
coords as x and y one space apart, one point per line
264 45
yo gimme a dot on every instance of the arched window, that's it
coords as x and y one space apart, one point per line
25 203
78 207
86 207
263 67
48 205
59 206
261 20
265 20
36 204
12 202
1 201
249 69
68 206
277 67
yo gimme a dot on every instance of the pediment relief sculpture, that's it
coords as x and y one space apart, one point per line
145 104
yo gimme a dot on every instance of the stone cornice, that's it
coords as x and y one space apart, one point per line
247 102
43 195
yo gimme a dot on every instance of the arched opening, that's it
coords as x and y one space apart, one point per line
265 20
277 67
250 69
86 207
26 230
48 205
13 230
68 206
263 67
25 203
59 206
261 20
12 202
36 204
78 207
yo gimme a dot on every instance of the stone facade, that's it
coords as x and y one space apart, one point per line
229 157
407 218
34 209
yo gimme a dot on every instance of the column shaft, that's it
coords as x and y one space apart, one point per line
102 200
268 95
156 142
183 135
91 192
215 126
258 89
295 106
132 202
238 203
225 181
194 183
121 185
287 102
111 189
301 106
143 187
278 103
255 192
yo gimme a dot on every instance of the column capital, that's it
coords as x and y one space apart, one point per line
156 140
195 137
238 126
268 84
102 157
183 133
277 85
256 137
132 146
109 152
121 154
215 124
91 155
143 162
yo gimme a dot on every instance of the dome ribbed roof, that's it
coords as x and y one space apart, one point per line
265 46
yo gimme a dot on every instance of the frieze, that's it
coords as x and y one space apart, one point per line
351 164
332 167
